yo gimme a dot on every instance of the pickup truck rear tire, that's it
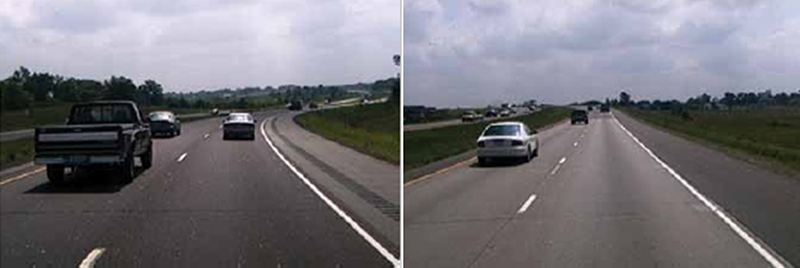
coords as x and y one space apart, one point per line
55 174
147 157
127 169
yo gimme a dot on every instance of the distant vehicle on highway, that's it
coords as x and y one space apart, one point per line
590 108
604 108
239 125
102 133
490 113
223 112
295 105
313 105
164 123
507 140
215 111
471 116
579 116
505 113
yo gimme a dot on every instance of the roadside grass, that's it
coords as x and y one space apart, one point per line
371 129
772 133
442 115
56 114
427 146
16 152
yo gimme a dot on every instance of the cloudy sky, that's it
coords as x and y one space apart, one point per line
199 44
460 53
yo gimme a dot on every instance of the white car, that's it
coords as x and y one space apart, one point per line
507 140
239 125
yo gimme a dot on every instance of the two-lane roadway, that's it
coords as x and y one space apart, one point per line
595 197
204 203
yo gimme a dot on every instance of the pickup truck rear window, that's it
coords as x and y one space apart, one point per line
102 114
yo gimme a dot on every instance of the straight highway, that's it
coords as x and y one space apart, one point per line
613 193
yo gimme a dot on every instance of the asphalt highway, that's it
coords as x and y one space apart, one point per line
613 193
204 203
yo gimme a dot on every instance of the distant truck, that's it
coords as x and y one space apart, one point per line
295 105
96 134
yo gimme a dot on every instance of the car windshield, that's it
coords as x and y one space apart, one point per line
578 112
102 114
160 116
502 130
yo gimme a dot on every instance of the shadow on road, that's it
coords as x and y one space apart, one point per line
497 163
98 181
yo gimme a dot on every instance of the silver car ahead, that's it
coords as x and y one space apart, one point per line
239 125
507 140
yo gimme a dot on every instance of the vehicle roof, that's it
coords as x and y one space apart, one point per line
108 102
505 123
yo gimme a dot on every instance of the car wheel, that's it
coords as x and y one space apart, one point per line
482 161
224 136
179 132
536 151
147 157
55 174
127 169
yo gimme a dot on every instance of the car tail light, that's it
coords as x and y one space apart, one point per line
481 144
516 143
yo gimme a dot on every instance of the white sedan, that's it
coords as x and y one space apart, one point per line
507 140
239 125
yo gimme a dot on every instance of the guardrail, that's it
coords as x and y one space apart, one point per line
28 133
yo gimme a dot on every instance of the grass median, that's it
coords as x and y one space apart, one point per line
16 152
427 146
371 129
771 133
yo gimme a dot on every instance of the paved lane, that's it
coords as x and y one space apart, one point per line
608 203
205 203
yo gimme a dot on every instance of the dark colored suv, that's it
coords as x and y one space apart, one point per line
580 116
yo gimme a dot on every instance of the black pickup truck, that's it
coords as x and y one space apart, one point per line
102 133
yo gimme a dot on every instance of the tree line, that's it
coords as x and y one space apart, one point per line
728 100
25 89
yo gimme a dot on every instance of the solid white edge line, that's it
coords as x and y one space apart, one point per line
739 230
563 159
90 259
353 224
526 204
182 157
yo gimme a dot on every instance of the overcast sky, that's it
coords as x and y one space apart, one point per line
198 44
460 53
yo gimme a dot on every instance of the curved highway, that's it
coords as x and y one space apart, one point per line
204 203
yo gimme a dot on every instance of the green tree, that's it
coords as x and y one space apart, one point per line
120 88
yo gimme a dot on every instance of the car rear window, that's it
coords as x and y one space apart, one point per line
239 117
578 112
160 116
102 114
502 130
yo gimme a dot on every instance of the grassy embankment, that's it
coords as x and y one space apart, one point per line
370 129
426 146
443 115
771 133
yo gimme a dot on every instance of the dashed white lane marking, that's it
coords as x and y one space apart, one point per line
206 136
181 157
22 176
90 259
562 160
353 224
762 250
575 144
555 169
526 204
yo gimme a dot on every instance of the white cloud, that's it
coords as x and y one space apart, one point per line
192 45
465 53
